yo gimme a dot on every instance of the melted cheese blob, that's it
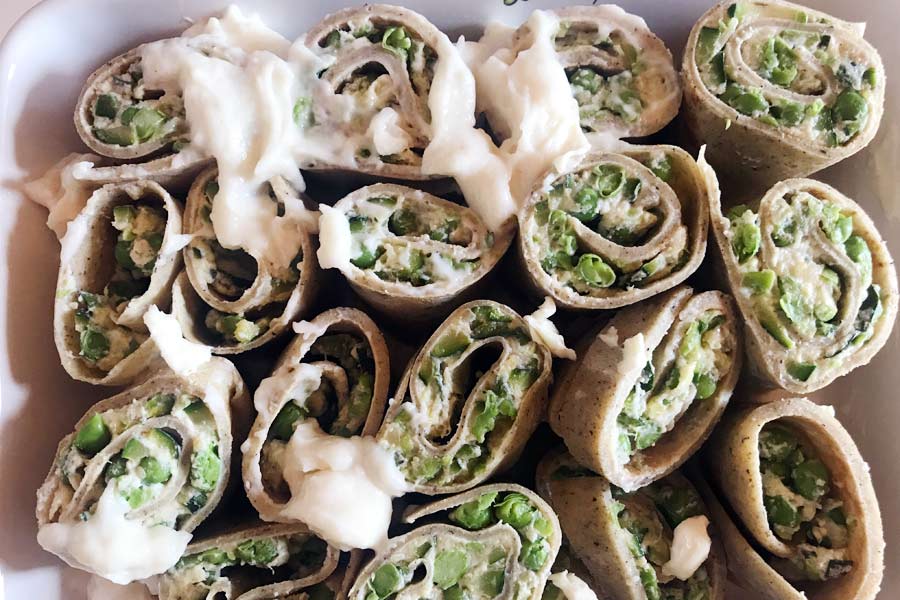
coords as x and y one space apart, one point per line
183 356
634 356
335 240
690 548
341 487
543 329
119 549
572 586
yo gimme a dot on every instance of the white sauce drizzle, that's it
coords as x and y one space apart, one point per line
542 329
572 586
183 356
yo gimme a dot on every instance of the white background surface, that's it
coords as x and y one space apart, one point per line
42 66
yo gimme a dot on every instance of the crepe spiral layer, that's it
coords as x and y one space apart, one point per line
777 90
627 223
813 280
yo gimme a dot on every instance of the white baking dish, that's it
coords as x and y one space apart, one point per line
44 61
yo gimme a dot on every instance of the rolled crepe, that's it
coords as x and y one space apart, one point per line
254 561
148 464
621 74
492 541
626 223
627 541
228 299
647 389
468 401
336 371
414 254
144 129
800 493
814 282
777 90
382 61
120 257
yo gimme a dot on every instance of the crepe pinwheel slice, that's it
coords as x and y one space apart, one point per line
413 255
469 400
795 503
620 73
142 132
336 372
494 541
381 66
253 561
228 299
626 223
142 470
778 90
649 544
119 257
813 280
648 388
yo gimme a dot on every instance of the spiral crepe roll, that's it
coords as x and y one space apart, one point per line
778 90
141 471
412 254
382 66
469 400
647 389
627 223
620 73
492 541
649 544
120 257
813 280
801 494
337 372
228 299
119 118
253 561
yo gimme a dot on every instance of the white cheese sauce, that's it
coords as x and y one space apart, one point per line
690 548
109 544
572 586
183 356
542 329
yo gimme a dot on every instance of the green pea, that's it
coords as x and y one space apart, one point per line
365 260
706 386
608 179
776 443
146 122
256 552
396 40
386 580
449 567
451 343
849 106
490 321
830 277
870 76
800 371
199 413
771 323
791 114
662 167
586 79
515 510
123 216
707 40
134 450
825 312
137 497
534 554
811 479
155 471
245 331
206 466
159 405
214 556
587 200
594 271
106 106
116 136
196 502
792 302
760 282
780 511
128 115
485 420
858 251
745 242
475 514
403 222
116 467
785 233
522 377
491 582
93 436
94 344
282 427
690 343
678 504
